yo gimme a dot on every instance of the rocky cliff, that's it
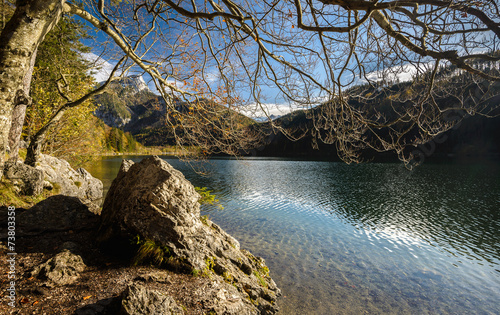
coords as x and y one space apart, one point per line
134 82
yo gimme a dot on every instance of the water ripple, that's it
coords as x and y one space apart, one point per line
366 238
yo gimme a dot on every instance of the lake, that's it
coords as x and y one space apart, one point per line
359 239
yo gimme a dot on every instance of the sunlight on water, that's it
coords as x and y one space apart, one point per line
373 238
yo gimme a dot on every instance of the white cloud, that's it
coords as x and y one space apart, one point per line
102 68
176 83
402 73
263 111
212 76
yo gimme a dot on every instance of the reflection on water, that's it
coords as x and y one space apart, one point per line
373 238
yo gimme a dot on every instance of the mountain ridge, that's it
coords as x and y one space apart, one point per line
129 105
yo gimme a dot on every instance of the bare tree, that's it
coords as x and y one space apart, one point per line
308 51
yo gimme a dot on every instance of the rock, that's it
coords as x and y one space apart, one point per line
112 117
41 291
154 201
58 213
62 269
140 300
220 297
71 246
216 295
27 178
427 275
69 182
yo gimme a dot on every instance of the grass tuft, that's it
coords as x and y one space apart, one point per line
150 251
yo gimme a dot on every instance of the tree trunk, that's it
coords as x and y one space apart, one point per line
36 143
19 40
19 113
34 149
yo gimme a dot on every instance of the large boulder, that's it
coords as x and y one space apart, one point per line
76 183
58 213
29 180
152 201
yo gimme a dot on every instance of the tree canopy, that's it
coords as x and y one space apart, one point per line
302 52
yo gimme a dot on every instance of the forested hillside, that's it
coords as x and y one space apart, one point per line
128 107
474 135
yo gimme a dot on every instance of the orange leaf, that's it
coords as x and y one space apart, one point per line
35 303
87 297
24 300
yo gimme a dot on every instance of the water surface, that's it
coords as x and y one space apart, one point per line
355 239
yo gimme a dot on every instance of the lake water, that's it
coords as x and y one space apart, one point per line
362 239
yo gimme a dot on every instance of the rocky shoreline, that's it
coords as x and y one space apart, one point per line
148 252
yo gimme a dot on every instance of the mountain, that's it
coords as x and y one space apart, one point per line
263 119
198 124
128 104
474 137
124 102
135 83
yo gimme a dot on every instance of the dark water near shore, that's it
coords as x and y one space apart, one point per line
358 239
